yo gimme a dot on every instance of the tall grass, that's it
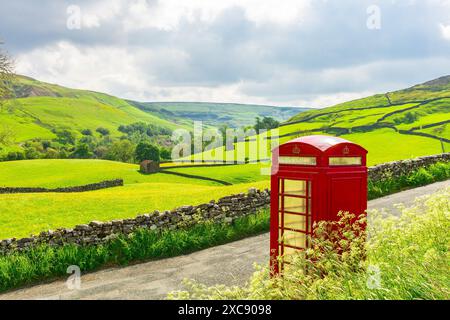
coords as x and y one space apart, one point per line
404 257
46 262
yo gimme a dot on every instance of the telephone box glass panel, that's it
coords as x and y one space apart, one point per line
344 161
294 239
305 161
295 187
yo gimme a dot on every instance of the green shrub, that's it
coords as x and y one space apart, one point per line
405 257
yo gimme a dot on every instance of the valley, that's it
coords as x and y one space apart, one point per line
411 123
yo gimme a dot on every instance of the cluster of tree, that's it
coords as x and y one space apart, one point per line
267 123
409 117
102 145
144 129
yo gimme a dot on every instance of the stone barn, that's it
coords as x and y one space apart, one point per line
149 166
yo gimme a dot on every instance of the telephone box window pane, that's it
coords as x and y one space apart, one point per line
305 161
293 238
294 221
288 253
296 205
295 187
345 161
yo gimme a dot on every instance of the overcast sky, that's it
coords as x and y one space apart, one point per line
289 52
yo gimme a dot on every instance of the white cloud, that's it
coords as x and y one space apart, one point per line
100 69
445 31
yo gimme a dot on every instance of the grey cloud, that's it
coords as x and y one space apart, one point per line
279 61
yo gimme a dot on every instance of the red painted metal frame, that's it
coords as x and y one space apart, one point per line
321 178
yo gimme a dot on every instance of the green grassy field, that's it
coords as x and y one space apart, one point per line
23 214
73 172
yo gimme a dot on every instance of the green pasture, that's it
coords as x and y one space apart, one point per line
386 145
441 131
23 214
74 172
233 174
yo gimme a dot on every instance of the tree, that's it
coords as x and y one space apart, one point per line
410 117
46 144
15 156
103 131
7 135
122 150
165 154
65 137
147 151
101 152
266 123
6 76
82 151
32 153
87 132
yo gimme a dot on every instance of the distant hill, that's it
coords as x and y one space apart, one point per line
216 114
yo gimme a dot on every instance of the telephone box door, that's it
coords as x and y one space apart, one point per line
294 215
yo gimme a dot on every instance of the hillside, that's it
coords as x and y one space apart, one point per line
216 114
396 125
41 108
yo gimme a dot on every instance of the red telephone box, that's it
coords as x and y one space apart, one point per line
313 178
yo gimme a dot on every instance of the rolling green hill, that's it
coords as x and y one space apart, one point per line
396 125
217 114
41 108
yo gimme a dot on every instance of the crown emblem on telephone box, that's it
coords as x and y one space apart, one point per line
346 150
296 150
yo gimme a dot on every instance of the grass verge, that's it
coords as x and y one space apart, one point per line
45 262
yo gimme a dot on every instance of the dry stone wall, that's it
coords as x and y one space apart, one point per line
404 167
88 187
